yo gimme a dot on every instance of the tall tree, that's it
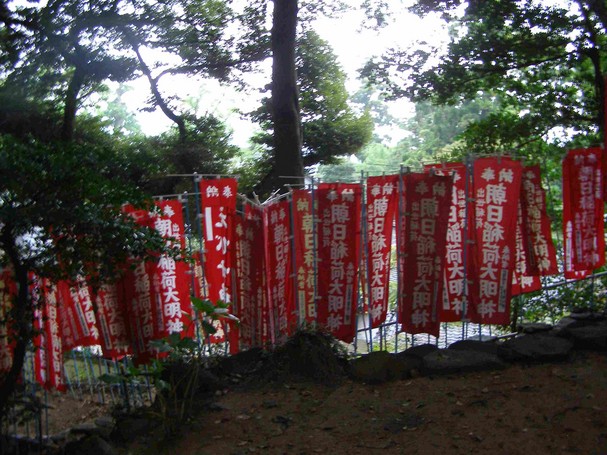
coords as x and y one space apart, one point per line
330 127
285 95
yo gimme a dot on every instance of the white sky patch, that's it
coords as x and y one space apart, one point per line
352 44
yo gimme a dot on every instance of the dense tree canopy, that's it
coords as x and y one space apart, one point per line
63 50
543 62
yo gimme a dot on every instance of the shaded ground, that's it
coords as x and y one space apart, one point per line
541 409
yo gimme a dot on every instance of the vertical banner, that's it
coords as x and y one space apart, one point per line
382 200
536 225
459 229
279 275
583 211
137 293
303 234
339 206
241 262
218 199
48 356
257 310
8 291
524 278
497 189
78 322
427 205
218 204
112 323
171 280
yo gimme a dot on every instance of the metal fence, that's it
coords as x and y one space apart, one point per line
85 368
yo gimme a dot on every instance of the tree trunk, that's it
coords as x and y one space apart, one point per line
22 320
71 105
285 104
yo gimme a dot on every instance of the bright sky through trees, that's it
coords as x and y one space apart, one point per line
352 43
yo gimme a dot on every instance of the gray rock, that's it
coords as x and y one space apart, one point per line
381 366
451 361
589 337
371 368
86 428
535 348
89 445
482 337
421 350
587 316
475 346
535 327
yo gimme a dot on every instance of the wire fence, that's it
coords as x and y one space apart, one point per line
85 368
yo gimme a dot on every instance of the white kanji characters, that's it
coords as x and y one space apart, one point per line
212 191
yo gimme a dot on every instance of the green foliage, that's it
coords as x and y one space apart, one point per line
64 201
541 64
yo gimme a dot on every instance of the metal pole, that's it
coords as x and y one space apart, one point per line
399 253
315 247
364 255
299 305
467 241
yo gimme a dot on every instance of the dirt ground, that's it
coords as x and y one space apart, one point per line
540 409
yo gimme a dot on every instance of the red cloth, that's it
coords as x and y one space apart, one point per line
427 205
496 190
339 233
382 202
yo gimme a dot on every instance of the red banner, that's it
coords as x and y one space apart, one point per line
171 279
460 228
427 205
279 258
339 255
78 322
112 323
137 291
382 201
524 280
257 310
48 355
241 283
218 205
496 191
536 225
583 210
8 291
303 232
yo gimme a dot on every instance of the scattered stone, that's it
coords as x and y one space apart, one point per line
216 406
284 422
269 404
535 348
450 361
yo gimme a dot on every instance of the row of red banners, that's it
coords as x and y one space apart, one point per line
467 239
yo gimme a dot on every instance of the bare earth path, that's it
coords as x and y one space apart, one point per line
541 409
